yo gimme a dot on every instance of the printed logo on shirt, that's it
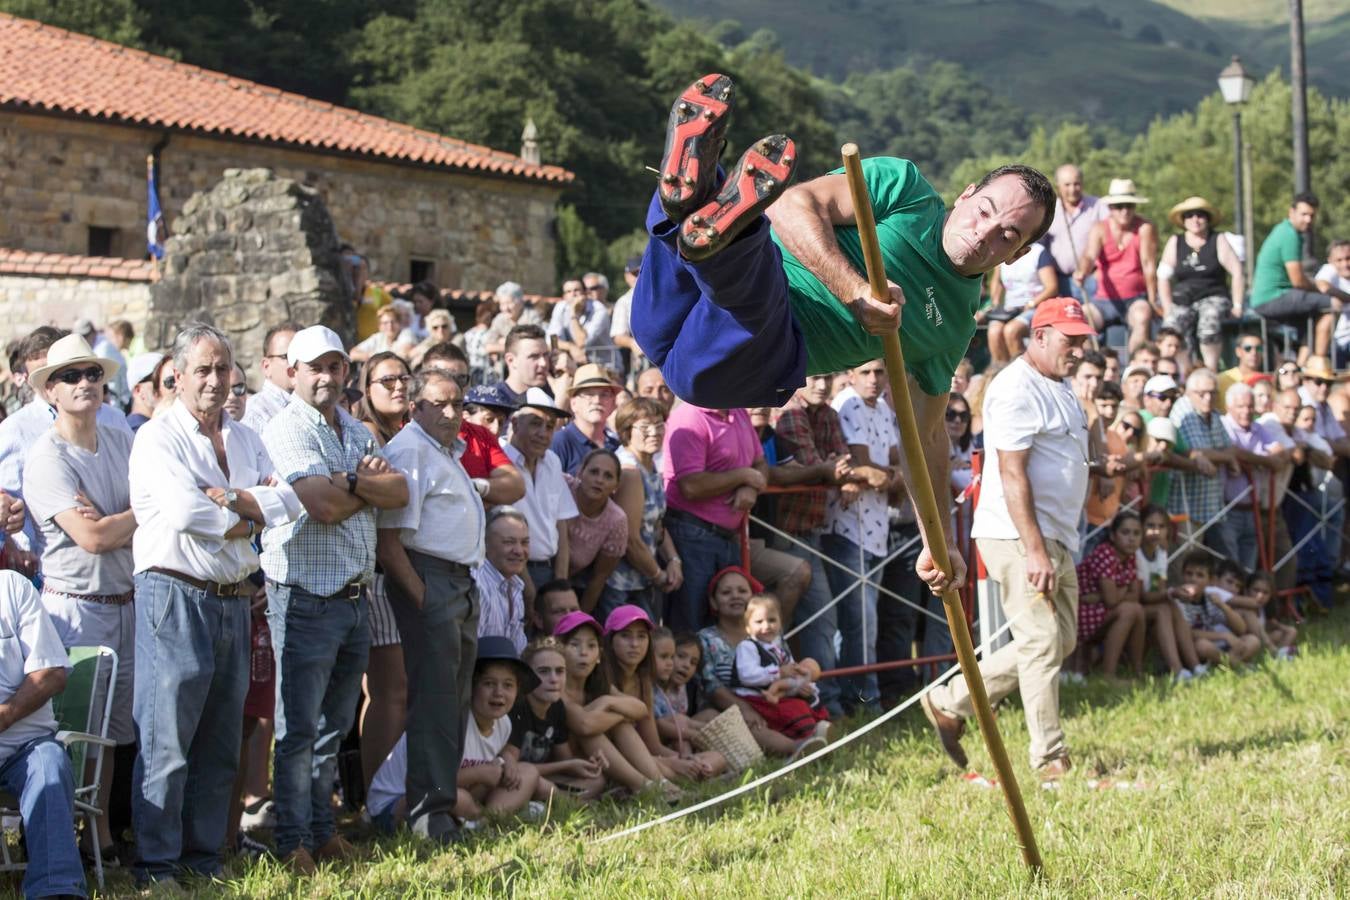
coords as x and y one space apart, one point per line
930 308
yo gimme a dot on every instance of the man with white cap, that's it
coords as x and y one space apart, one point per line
1160 396
1026 525
144 394
318 569
201 488
277 383
548 500
76 474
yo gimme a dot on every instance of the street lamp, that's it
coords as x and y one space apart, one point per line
1236 86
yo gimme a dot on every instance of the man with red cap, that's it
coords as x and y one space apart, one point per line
1035 433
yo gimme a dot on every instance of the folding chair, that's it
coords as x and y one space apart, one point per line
82 713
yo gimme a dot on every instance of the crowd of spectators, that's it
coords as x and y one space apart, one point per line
457 572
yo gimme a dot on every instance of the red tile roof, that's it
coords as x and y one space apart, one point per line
43 68
65 265
459 295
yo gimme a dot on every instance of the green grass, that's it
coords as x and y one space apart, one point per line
1245 782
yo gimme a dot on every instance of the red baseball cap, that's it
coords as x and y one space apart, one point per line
1064 314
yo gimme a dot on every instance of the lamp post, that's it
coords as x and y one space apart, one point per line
1236 86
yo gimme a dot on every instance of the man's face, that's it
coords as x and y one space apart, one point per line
319 383
1285 406
82 398
868 380
390 325
421 304
237 401
989 227
554 606
204 385
1167 366
439 410
511 305
1160 404
1201 395
1301 216
144 394
1340 260
1249 354
532 432
274 367
1317 388
1086 380
1107 407
1241 410
1122 214
507 545
593 405
487 417
595 289
1069 180
651 383
1059 351
1146 358
816 391
573 292
528 362
1112 371
1133 386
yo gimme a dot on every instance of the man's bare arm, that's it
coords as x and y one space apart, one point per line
1017 493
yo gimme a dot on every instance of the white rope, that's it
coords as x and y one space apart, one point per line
823 751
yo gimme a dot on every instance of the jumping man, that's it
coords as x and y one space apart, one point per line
737 307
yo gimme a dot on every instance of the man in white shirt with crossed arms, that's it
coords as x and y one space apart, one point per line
1035 433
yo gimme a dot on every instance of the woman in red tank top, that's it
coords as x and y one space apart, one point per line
1123 250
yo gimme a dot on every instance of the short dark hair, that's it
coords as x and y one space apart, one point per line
1230 567
1307 197
1109 390
38 342
443 350
1038 188
1168 331
1092 358
1148 347
123 329
1198 559
556 586
426 289
279 328
523 333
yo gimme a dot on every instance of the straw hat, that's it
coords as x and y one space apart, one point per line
1320 367
1191 204
71 350
1123 191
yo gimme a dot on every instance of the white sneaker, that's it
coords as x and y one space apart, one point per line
1200 671
1182 677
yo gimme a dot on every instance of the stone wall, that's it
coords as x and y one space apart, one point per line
27 301
252 252
63 176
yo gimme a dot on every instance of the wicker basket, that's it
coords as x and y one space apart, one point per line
730 736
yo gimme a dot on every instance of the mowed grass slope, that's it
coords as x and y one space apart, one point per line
1242 790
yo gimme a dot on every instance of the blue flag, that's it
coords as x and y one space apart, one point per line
154 227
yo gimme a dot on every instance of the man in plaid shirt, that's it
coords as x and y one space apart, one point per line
1200 497
809 433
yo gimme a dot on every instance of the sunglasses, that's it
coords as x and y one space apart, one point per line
1133 429
1320 382
1248 348
594 287
1164 395
388 381
239 390
1289 370
1122 206
957 415
94 375
1193 213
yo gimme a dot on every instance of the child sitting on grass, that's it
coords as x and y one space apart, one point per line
488 782
1109 593
1261 588
539 729
670 701
1171 634
780 689
1275 637
1219 632
628 666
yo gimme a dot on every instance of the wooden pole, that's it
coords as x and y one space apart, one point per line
926 508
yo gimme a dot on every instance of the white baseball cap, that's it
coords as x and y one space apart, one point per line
142 367
1163 429
1159 384
312 342
538 398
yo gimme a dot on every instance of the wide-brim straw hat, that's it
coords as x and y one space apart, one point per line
71 350
1191 204
1123 191
1320 367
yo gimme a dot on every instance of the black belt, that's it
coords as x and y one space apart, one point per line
219 588
725 534
435 562
351 591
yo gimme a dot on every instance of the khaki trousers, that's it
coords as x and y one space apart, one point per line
1044 630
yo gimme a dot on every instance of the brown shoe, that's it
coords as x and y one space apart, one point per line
300 862
1054 770
337 849
949 730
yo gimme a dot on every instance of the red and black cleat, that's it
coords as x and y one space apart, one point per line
761 175
695 136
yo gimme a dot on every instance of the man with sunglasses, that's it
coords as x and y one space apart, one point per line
277 385
1123 251
1250 362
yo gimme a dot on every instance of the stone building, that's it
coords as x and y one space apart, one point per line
79 117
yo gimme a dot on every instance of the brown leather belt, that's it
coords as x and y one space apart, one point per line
220 589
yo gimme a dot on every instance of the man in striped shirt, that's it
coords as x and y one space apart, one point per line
501 589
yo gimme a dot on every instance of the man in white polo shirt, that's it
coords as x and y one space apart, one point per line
548 500
1036 434
427 549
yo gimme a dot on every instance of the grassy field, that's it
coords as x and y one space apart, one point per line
1239 787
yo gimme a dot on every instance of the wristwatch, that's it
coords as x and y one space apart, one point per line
351 482
231 497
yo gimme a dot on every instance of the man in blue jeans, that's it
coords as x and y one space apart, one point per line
33 766
193 548
318 569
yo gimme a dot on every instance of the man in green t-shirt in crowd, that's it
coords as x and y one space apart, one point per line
737 312
1281 290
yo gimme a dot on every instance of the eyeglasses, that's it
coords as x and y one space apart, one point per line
94 375
239 390
958 415
388 381
657 428
1248 348
1289 370
595 287
169 383
1121 206
1320 382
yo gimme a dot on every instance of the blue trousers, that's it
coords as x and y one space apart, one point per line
817 639
192 651
705 553
322 646
38 773
720 330
857 614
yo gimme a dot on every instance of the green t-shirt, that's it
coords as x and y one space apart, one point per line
1160 487
1270 278
938 319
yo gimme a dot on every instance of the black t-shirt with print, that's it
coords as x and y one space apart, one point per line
534 736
